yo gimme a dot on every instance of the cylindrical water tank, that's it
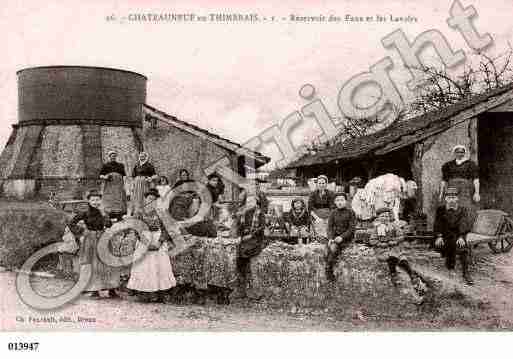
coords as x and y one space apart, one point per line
69 118
94 94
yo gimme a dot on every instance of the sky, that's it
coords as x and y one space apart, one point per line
235 79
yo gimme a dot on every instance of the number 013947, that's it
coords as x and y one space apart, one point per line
20 346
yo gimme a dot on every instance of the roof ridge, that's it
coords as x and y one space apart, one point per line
405 127
207 132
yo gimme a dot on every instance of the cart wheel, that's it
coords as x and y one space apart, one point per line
502 244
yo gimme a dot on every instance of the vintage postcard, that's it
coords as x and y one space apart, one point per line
277 166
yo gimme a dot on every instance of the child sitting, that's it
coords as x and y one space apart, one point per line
388 233
385 228
341 226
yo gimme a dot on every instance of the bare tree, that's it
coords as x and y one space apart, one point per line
442 89
439 90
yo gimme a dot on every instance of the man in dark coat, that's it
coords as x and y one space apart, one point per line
341 227
452 223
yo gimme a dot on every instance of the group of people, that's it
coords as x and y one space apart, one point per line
151 277
122 196
338 213
454 217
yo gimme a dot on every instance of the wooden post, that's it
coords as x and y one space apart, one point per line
370 166
416 169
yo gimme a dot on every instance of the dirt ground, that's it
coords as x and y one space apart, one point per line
494 284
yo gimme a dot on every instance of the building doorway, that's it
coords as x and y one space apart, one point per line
495 156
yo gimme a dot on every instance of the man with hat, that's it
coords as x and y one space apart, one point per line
452 223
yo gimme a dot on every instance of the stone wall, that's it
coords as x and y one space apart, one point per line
172 149
63 152
122 140
62 160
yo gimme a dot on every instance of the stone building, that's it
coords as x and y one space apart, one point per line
416 149
70 117
174 144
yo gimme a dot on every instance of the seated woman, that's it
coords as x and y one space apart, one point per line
152 275
297 220
180 206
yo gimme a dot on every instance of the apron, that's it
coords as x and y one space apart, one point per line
321 225
114 196
153 271
140 187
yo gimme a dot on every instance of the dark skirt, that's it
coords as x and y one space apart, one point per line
103 276
114 196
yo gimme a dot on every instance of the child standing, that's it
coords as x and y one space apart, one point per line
152 275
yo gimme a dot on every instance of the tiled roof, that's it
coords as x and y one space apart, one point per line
399 133
259 158
280 173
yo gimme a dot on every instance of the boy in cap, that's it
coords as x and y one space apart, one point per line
452 223
388 233
341 226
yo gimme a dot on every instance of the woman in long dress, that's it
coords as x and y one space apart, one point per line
463 174
104 277
143 174
152 275
114 195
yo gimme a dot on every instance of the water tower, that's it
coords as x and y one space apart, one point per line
69 117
